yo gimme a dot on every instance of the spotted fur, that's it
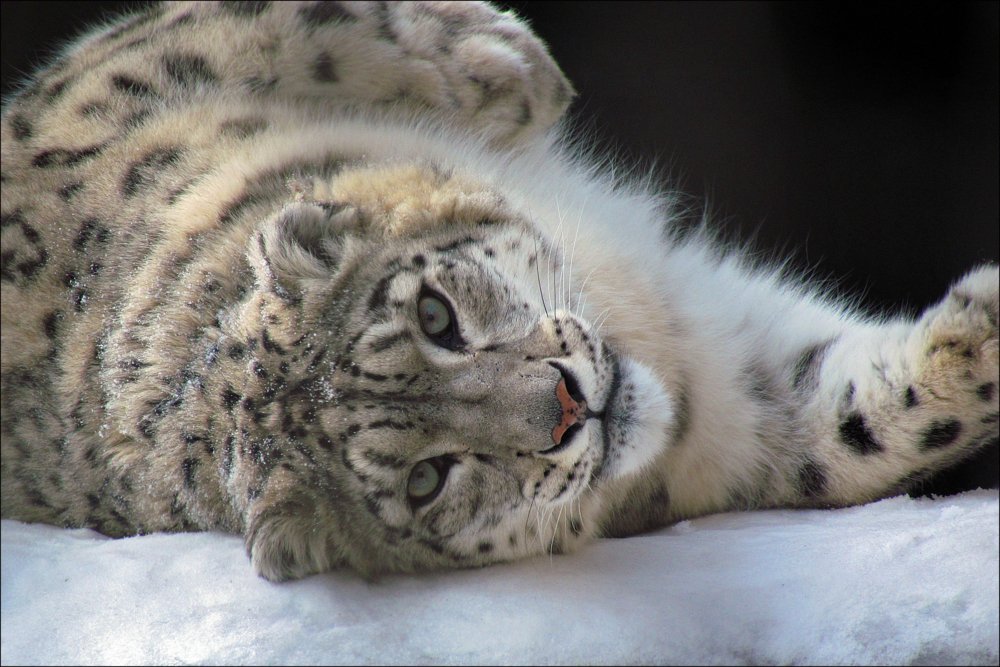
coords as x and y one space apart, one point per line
223 227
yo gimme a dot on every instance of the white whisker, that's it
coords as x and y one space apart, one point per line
581 297
555 530
572 255
541 292
599 322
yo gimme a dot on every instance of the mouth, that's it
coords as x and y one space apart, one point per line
636 413
616 381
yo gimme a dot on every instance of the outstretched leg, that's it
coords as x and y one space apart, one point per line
895 403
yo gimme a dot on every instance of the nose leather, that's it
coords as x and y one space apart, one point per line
572 412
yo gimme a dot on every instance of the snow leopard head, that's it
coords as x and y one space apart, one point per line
419 401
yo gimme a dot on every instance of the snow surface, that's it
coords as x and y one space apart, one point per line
898 581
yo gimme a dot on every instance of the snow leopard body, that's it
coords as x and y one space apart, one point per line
326 275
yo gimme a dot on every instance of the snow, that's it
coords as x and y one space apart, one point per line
898 581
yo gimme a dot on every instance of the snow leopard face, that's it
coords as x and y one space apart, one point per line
440 410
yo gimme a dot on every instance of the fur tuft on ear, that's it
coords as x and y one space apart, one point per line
303 241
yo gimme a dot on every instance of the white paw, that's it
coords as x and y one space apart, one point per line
955 354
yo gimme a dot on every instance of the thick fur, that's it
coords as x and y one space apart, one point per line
220 223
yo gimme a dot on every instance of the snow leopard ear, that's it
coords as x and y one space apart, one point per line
303 241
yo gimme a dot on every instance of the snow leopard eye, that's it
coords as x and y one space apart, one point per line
438 320
426 480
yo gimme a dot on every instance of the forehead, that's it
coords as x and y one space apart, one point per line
491 268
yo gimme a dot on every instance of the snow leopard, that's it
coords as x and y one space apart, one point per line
333 276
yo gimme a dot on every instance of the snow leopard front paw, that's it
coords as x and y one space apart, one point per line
954 349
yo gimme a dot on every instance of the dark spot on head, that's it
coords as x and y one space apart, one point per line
80 299
191 438
49 158
29 267
30 233
269 345
380 294
51 324
13 218
188 466
985 391
230 398
910 399
386 460
314 364
67 191
386 342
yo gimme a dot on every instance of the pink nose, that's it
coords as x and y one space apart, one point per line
572 412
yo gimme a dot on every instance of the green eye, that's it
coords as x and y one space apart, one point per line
424 481
435 317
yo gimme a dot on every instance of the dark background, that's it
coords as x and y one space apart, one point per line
860 139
